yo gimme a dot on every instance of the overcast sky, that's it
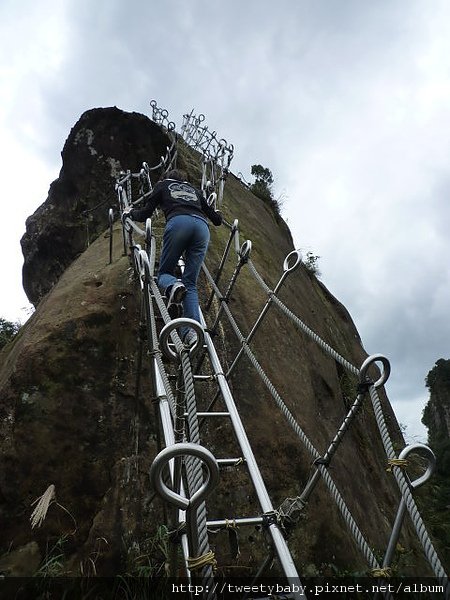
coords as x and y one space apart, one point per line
348 103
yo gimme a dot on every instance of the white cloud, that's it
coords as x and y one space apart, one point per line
408 414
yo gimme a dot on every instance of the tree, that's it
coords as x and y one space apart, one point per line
7 331
262 187
435 413
262 174
435 418
439 377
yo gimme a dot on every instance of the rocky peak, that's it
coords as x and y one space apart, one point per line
77 405
436 415
102 143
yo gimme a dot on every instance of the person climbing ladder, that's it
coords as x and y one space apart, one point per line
186 231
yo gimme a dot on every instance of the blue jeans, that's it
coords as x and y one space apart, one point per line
188 234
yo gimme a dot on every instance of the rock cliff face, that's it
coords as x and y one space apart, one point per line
103 142
72 414
436 415
437 412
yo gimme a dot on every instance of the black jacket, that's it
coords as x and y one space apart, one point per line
176 198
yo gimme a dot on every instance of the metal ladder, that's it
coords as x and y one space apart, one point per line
170 483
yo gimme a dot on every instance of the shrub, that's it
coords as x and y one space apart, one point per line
312 263
8 330
262 188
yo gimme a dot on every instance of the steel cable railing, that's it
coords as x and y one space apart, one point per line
198 136
143 264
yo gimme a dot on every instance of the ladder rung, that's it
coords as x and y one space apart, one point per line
211 414
173 347
229 462
196 377
235 522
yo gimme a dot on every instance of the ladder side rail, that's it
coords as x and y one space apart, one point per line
353 527
167 409
280 545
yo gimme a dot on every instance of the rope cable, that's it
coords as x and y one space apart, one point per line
216 158
356 532
405 490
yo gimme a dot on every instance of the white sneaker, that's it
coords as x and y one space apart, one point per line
174 303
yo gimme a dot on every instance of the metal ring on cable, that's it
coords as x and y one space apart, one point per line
126 222
174 324
144 263
137 259
286 267
181 449
148 231
122 198
384 374
153 103
111 224
245 250
429 456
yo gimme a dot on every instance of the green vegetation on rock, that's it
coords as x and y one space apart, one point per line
8 330
262 188
436 417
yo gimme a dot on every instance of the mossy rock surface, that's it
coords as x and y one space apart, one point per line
70 416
